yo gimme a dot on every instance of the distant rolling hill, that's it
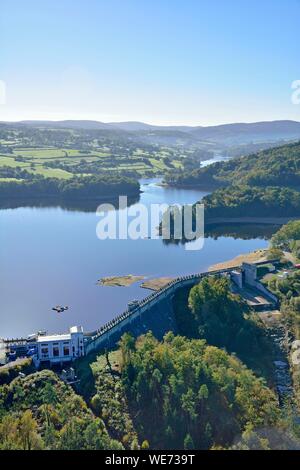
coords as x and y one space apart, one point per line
253 132
221 136
133 126
68 124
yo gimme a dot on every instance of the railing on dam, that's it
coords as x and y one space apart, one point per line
149 302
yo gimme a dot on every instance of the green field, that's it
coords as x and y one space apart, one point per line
65 153
65 163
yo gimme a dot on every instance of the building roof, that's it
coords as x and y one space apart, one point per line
76 329
61 337
46 339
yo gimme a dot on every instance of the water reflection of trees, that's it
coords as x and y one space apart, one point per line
241 231
76 205
236 231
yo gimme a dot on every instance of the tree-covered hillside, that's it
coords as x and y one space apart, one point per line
251 201
186 394
243 203
42 412
22 184
279 166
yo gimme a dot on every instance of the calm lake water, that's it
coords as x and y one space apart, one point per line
52 256
215 159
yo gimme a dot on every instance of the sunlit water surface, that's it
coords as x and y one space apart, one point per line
52 256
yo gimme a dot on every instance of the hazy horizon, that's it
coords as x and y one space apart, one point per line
149 123
8 117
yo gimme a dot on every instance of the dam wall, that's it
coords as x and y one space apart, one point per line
155 313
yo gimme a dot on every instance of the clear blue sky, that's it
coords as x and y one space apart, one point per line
160 61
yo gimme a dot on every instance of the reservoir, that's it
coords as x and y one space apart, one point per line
51 256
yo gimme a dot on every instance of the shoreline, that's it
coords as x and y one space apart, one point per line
48 197
250 257
250 220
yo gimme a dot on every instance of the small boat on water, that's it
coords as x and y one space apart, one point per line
60 309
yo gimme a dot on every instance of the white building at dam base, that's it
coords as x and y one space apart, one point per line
154 313
60 348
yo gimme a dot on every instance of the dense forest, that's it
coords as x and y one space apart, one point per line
178 393
288 237
212 312
279 166
197 390
251 201
25 185
186 394
42 412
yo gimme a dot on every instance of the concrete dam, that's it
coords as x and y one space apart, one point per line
154 313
